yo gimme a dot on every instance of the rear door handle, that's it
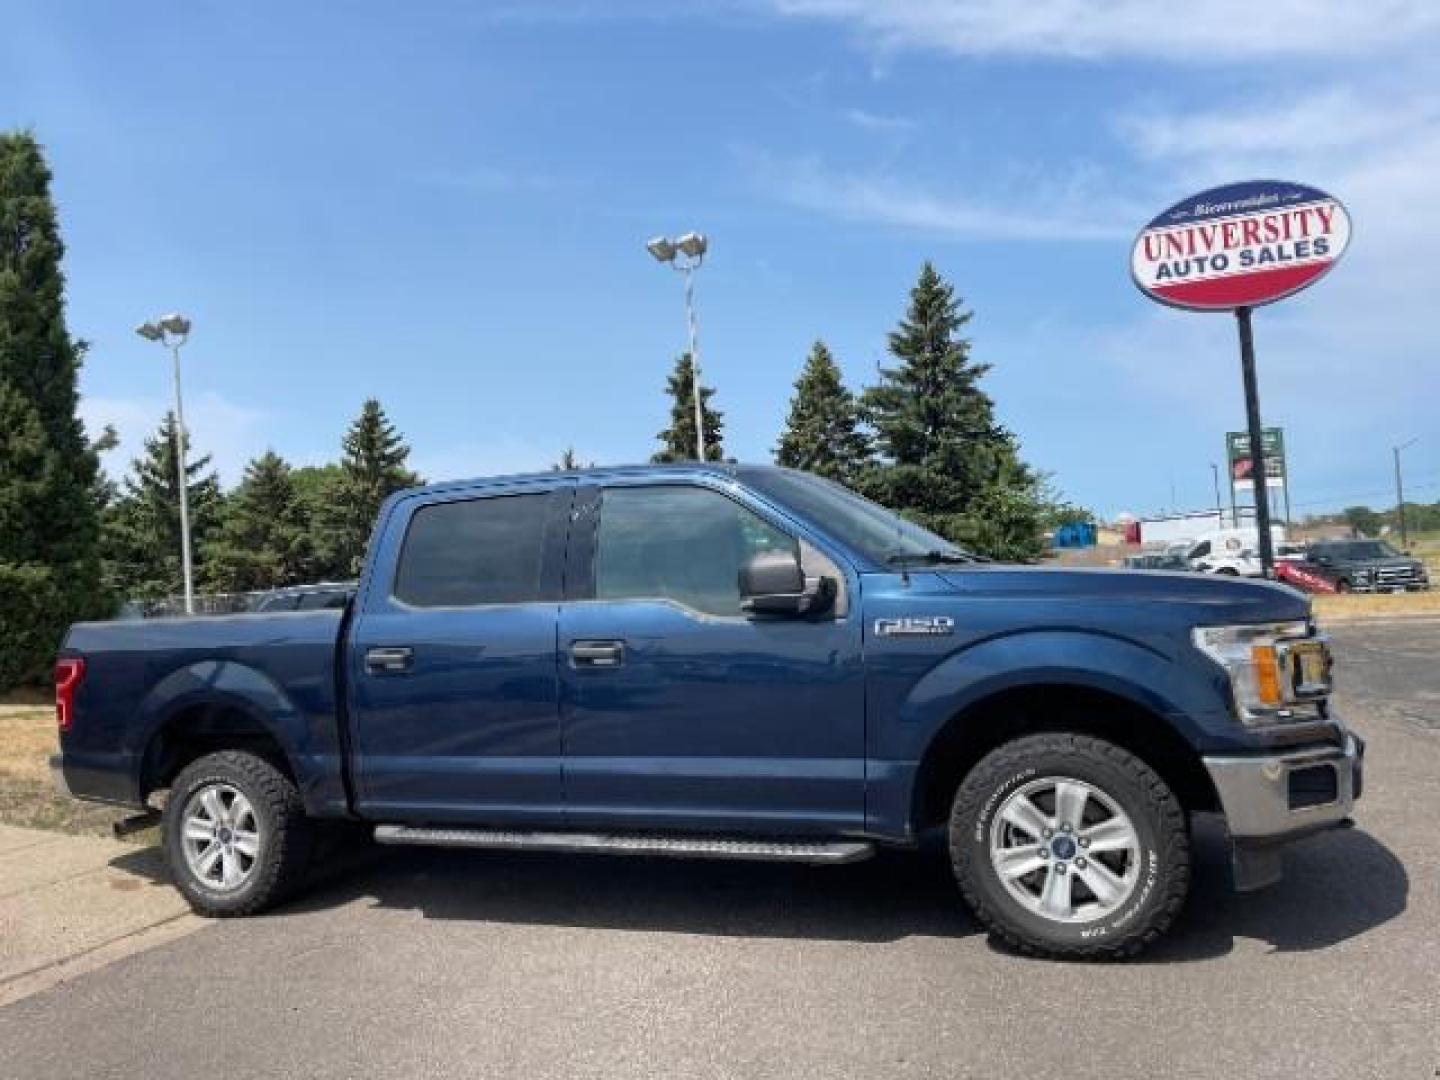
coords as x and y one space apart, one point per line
597 653
389 659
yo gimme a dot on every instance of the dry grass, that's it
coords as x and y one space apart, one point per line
27 739
1353 606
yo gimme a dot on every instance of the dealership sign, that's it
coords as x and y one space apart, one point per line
1240 246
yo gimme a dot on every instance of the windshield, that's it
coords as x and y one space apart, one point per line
867 527
1364 549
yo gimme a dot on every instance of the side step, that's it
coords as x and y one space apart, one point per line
684 847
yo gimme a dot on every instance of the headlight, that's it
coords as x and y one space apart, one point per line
1277 671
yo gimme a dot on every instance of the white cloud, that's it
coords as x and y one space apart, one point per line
877 122
231 434
1072 211
1213 30
1334 119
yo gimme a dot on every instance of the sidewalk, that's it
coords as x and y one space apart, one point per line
72 904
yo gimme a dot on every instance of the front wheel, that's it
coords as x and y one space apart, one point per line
1069 846
236 835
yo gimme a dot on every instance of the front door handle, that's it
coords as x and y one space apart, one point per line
389 659
602 654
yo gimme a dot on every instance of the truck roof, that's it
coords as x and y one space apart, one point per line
680 468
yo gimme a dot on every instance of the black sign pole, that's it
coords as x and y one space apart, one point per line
1257 442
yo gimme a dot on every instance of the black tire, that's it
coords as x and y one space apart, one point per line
1342 586
285 834
1161 863
1228 571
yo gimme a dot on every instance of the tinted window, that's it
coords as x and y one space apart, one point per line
476 551
867 527
677 543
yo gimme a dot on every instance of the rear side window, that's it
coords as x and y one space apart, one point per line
684 544
474 551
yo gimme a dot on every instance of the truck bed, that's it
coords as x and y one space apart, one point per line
141 675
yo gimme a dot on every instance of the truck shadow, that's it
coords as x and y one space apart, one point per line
1338 886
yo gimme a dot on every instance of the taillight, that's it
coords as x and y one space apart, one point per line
69 673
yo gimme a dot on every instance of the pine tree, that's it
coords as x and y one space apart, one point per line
943 458
372 468
569 461
264 541
822 434
140 539
678 440
49 524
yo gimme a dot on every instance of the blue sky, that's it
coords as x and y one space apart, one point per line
445 205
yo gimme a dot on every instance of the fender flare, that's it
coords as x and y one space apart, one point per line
226 684
1123 667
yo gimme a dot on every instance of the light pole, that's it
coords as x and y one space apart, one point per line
172 331
1400 492
693 246
1215 476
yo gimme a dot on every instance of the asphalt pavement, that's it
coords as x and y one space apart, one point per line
447 964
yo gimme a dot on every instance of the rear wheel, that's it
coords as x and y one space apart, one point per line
1069 846
1342 585
236 835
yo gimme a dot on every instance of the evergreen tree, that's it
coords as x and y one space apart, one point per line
49 524
678 440
568 461
943 458
371 469
264 540
822 434
140 540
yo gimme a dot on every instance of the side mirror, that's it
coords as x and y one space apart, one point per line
772 583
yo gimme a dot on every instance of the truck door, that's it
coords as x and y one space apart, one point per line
452 662
679 711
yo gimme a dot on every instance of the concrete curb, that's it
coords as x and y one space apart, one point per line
72 904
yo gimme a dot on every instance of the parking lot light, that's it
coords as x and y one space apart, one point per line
693 246
172 332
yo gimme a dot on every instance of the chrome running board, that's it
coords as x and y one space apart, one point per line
690 847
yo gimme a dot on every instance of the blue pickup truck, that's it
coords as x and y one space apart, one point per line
726 662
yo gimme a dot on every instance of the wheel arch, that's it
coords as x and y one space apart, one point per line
1055 705
211 706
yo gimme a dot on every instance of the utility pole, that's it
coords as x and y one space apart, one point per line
1400 492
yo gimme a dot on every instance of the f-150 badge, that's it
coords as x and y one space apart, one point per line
915 626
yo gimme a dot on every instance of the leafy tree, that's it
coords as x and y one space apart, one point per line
943 458
264 540
678 440
49 524
822 433
140 539
372 468
1363 520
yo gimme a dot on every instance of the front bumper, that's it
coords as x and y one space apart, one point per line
1273 797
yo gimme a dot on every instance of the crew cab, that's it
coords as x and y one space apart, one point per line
726 662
